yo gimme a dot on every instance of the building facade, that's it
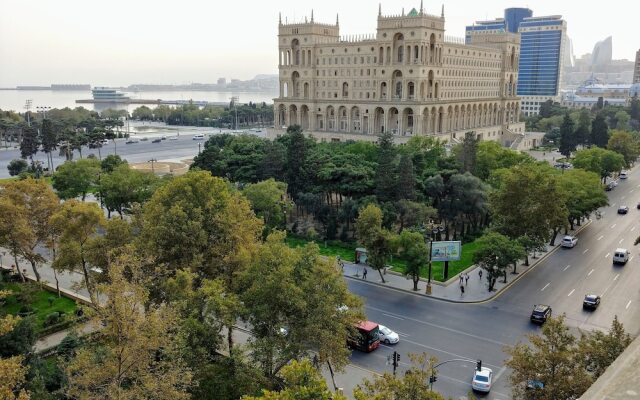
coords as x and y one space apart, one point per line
407 79
543 43
636 70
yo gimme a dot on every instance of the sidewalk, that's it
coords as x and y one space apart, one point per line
475 289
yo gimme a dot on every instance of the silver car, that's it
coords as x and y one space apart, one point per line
387 336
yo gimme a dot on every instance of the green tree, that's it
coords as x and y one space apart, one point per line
495 253
30 143
491 156
623 143
11 364
599 132
584 194
374 237
76 178
634 109
17 166
568 140
268 201
414 385
622 120
124 187
142 113
410 246
599 349
386 181
551 358
602 162
110 162
583 129
467 152
49 139
406 179
297 150
546 109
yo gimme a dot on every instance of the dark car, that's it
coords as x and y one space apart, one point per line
609 187
158 140
638 206
623 210
591 301
540 313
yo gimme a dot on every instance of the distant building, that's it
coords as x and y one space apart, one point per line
636 71
602 53
79 87
587 95
408 79
543 44
222 81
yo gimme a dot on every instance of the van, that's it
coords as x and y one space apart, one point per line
198 136
621 256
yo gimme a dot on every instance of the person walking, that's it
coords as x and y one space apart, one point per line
461 279
461 290
466 279
364 273
480 273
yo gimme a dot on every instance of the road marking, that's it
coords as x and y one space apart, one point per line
628 304
545 286
402 334
499 374
621 240
571 292
585 251
607 256
590 272
443 351
601 236
613 205
393 316
633 229
616 278
566 268
613 226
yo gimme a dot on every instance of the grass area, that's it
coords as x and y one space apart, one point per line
42 303
15 178
347 253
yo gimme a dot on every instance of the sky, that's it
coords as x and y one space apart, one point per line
122 42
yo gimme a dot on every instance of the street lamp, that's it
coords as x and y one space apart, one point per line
152 161
434 229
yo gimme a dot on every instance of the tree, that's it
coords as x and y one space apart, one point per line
583 130
124 187
622 120
467 152
599 132
11 367
551 358
30 144
297 150
142 113
78 224
406 179
36 203
412 248
546 109
17 166
584 194
634 111
110 162
268 201
49 140
15 232
136 354
492 156
76 178
385 180
601 161
495 254
376 239
598 350
414 385
568 140
624 144
295 301
301 382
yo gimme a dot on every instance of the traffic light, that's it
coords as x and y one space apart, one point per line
397 357
433 379
479 365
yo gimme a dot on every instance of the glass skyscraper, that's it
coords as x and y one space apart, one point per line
542 47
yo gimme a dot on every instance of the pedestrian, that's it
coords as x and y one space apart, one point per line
461 290
480 273
466 279
364 273
461 279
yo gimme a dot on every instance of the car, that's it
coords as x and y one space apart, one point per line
623 210
173 138
163 137
156 140
591 301
131 141
540 313
621 256
569 241
387 336
198 136
638 206
104 141
144 139
481 381
609 186
624 175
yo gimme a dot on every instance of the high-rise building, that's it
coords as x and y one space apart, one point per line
602 53
543 43
222 81
408 79
636 71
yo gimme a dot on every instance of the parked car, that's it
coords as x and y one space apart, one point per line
609 186
623 210
104 141
540 313
591 301
144 139
624 175
131 141
481 381
387 336
638 206
621 256
199 136
156 140
569 241
163 137
173 138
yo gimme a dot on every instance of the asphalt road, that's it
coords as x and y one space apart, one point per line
481 331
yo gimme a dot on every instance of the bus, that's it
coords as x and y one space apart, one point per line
366 339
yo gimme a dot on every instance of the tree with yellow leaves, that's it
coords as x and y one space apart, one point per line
11 369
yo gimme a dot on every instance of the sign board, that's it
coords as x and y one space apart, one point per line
446 251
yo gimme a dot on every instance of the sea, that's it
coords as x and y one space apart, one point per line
15 100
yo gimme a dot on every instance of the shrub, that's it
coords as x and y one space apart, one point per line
52 319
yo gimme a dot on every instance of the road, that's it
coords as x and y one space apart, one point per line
480 331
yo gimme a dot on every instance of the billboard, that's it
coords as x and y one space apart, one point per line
446 251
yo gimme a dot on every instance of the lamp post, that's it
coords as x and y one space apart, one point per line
434 230
152 161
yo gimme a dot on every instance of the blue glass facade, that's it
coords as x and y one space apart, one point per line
540 53
514 16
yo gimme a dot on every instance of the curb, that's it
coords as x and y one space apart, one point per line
488 299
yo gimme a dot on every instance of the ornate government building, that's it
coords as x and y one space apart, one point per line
409 79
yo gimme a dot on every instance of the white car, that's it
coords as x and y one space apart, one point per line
104 141
481 381
387 336
623 175
569 241
198 136
173 138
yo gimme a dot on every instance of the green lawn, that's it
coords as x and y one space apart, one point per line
347 253
43 304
